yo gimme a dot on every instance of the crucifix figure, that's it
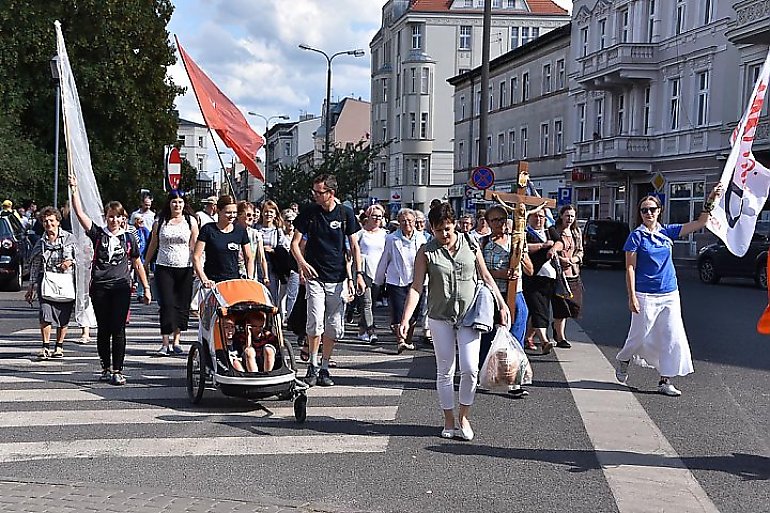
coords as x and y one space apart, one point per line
516 204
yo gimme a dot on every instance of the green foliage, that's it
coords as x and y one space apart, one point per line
352 166
119 51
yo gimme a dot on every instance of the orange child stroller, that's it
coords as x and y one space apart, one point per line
210 361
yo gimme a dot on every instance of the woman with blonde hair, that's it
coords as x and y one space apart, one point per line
371 241
271 229
246 215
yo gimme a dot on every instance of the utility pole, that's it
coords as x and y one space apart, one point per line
484 107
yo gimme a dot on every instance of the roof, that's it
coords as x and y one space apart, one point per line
187 122
535 6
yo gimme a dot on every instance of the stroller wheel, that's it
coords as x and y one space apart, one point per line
300 408
196 373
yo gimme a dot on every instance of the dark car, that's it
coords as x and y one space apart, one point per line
14 255
716 262
603 241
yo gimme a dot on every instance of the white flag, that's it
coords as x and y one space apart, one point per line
79 164
746 182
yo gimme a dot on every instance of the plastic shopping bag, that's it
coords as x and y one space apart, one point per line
506 364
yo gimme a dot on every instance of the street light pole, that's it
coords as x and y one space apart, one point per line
267 127
55 75
355 53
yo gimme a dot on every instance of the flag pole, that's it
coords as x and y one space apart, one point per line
213 140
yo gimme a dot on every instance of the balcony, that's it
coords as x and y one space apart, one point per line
618 66
618 152
751 24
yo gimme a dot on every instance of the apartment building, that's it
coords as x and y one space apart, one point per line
193 141
527 105
655 92
420 45
350 124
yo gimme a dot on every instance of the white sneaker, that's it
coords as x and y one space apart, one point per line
621 371
668 389
364 337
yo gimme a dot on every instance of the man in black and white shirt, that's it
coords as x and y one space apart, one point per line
209 212
327 226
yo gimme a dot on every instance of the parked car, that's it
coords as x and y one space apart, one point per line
15 250
603 241
716 262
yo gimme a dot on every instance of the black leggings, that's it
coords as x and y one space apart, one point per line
111 309
174 286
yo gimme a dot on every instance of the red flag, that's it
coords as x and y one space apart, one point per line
221 115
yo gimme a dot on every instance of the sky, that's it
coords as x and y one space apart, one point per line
249 48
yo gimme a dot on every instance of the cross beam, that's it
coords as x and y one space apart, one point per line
510 197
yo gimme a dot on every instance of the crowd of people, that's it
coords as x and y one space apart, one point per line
321 261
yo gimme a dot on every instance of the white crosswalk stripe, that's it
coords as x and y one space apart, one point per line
66 394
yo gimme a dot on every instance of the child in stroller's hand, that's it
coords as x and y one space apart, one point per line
254 348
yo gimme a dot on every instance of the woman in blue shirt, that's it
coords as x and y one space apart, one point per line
657 337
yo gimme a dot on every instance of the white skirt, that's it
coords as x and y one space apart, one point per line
656 337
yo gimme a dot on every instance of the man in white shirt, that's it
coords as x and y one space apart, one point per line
146 211
209 212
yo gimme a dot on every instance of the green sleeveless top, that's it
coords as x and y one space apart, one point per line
452 279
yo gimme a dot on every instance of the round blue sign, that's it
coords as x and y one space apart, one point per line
482 178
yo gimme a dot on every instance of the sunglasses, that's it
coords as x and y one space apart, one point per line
648 210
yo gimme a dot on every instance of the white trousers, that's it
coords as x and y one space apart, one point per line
445 338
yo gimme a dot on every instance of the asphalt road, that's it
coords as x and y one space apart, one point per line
529 455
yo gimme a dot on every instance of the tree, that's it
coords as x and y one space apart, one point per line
119 51
293 185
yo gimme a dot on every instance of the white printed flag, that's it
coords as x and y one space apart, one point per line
746 182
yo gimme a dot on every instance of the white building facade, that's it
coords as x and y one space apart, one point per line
656 89
528 106
421 44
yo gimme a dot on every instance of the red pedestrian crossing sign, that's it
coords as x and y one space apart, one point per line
482 178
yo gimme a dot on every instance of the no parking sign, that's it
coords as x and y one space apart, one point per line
482 178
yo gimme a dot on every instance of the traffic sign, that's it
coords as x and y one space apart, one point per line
658 181
482 178
564 196
174 168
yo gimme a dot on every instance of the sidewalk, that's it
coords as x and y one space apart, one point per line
41 497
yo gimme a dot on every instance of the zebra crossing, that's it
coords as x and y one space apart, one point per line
151 415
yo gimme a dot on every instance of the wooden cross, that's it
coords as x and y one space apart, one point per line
516 204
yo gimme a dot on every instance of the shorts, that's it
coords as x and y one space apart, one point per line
325 306
56 314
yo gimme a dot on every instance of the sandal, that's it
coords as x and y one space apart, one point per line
44 354
58 353
304 353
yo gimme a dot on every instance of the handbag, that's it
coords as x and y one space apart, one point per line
57 287
562 289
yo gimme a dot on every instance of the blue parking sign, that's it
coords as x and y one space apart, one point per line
564 196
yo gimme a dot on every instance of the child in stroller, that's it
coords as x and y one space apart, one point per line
252 348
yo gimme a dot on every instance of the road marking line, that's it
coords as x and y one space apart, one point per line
173 416
181 447
642 469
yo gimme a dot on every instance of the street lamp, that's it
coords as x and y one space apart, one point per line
55 75
355 53
267 127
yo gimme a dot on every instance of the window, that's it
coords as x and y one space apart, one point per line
478 102
558 137
181 140
503 94
383 176
384 90
491 100
581 121
384 130
584 41
200 163
398 46
685 202
497 4
465 37
525 86
623 22
535 33
703 97
708 11
546 79
651 21
413 75
423 125
524 142
647 119
287 148
673 110
461 155
515 37
462 107
602 34
412 125
489 149
398 126
514 89
544 139
417 36
398 87
424 80
560 74
587 202
620 114
468 3
424 170
599 111
201 141
525 35
501 147
681 19
478 153
512 145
